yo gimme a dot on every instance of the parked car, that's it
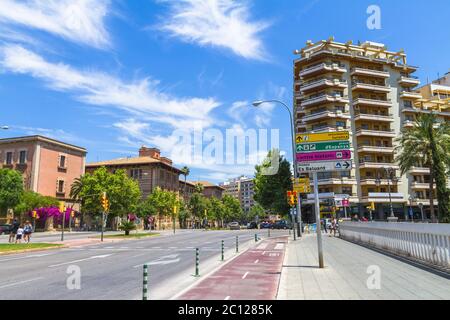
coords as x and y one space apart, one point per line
282 224
252 225
234 226
265 225
5 229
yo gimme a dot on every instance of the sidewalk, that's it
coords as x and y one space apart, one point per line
346 274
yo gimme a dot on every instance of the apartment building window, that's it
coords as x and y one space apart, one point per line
9 158
22 157
347 190
62 161
60 186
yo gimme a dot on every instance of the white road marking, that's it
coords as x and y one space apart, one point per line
80 260
245 275
263 253
20 282
279 246
138 255
227 298
257 260
163 260
26 257
262 246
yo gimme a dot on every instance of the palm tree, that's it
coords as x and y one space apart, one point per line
185 171
428 144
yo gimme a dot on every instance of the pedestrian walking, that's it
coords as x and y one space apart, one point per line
325 225
19 234
27 231
13 231
333 227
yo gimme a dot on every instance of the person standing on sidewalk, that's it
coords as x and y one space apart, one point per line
14 227
27 230
19 234
325 225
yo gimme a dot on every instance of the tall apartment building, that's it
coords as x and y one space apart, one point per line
368 91
241 188
48 166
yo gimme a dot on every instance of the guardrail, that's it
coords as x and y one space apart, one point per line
428 243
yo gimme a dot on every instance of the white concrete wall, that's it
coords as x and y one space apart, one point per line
429 243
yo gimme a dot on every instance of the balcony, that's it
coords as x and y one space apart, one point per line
421 185
371 87
321 68
323 98
408 123
323 83
383 197
365 164
419 170
374 117
326 114
376 133
409 81
410 95
369 72
376 149
336 181
374 182
326 129
372 102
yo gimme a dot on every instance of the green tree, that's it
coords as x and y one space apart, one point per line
233 210
217 210
256 211
270 190
197 206
185 171
11 189
31 200
123 192
428 144
162 203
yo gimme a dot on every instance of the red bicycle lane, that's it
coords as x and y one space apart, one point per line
253 275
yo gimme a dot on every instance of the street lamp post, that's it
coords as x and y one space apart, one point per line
389 172
294 162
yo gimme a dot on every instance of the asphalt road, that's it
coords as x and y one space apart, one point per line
114 270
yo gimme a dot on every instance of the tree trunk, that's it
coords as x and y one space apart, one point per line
432 214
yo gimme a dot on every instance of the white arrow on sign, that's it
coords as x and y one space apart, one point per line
162 261
324 166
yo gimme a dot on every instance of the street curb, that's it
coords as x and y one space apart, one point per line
32 250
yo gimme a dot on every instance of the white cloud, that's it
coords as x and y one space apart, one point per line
80 21
218 23
141 97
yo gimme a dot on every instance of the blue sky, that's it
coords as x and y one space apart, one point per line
114 75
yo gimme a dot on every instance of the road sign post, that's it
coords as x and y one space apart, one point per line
223 249
299 216
318 227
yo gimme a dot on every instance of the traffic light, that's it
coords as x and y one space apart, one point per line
61 206
105 202
292 198
295 196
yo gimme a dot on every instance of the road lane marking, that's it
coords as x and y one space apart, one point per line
262 246
80 260
138 255
28 256
20 282
245 275
173 258
227 298
256 261
263 253
279 246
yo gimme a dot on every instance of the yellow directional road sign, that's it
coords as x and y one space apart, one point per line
325 136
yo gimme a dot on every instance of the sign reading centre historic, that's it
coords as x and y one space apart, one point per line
323 146
324 156
325 136
324 166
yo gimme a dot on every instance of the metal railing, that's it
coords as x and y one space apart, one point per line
428 243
